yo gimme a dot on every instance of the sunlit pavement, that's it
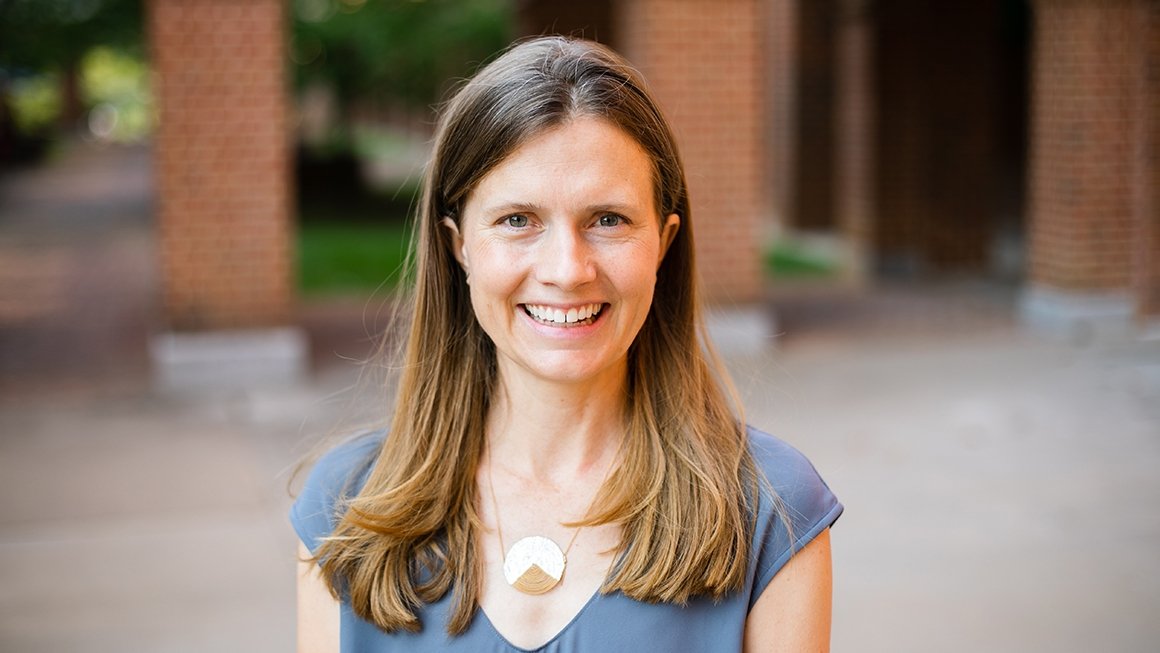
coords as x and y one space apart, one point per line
1000 489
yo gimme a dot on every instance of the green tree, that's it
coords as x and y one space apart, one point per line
52 36
400 50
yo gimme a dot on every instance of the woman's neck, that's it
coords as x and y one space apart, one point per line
553 433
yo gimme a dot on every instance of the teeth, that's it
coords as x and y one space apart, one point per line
560 316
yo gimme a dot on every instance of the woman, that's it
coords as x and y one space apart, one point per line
562 471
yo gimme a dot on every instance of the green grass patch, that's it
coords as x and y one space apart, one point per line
343 257
787 260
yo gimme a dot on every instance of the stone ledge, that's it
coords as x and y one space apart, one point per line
1075 316
741 329
228 360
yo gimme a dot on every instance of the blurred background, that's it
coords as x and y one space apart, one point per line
928 232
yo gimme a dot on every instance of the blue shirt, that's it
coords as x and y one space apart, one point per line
608 622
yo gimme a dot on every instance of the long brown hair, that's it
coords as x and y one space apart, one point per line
684 493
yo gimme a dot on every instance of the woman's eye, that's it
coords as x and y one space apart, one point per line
516 220
610 220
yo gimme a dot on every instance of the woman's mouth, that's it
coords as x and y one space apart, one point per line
560 317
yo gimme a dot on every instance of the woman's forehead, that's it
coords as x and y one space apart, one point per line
586 159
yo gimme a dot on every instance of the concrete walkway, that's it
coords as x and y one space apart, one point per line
1001 490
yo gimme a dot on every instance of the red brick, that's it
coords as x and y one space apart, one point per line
222 159
1089 117
705 62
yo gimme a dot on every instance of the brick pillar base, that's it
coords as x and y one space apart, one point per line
1085 166
222 173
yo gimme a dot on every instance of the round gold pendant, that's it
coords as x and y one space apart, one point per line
534 565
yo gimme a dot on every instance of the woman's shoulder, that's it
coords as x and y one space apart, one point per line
336 475
343 462
782 465
796 504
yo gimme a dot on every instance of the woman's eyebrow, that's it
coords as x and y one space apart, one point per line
612 207
527 207
513 207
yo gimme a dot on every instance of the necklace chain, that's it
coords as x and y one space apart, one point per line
495 507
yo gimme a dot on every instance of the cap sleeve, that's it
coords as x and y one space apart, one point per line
338 474
807 502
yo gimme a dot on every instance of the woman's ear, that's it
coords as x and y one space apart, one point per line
458 250
668 234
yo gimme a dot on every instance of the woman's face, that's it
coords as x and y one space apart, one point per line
561 243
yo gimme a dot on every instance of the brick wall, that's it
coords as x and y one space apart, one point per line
781 101
938 133
704 59
800 117
1085 119
222 167
854 121
1148 169
591 19
815 126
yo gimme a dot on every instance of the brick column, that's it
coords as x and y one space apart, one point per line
1148 174
814 97
783 109
854 197
1086 118
590 19
222 167
704 59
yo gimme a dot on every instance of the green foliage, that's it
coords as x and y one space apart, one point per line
371 141
35 103
42 46
53 35
336 257
117 84
786 260
404 50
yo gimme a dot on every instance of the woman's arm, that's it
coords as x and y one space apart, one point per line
793 613
317 610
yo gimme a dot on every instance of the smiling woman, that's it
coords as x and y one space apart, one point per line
563 470
540 241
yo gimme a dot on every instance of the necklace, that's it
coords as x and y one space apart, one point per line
534 564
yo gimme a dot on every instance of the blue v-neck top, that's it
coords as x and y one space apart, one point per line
608 622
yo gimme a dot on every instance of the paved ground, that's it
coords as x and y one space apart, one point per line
1001 490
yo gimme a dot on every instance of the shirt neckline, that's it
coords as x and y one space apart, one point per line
559 634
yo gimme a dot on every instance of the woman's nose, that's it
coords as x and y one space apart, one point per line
565 260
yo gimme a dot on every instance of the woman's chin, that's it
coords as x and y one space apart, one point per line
573 368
